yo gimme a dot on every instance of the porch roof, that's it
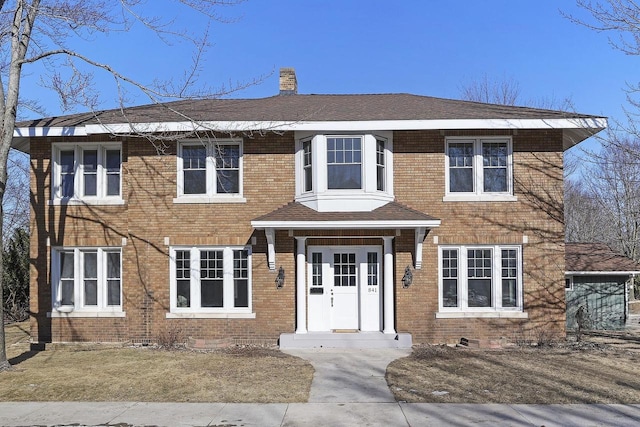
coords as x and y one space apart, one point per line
295 215
393 215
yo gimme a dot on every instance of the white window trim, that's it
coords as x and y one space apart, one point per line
478 195
211 195
366 198
194 312
78 183
570 280
79 309
496 310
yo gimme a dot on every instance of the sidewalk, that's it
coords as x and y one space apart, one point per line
125 414
348 389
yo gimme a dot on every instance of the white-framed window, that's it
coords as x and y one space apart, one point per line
480 278
307 166
344 163
209 171
87 280
568 283
210 280
338 172
89 173
479 168
380 164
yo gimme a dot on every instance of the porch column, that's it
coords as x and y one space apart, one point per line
301 286
389 326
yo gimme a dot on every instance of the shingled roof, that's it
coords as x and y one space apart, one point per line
391 213
292 108
597 258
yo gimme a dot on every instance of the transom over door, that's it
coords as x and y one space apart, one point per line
343 285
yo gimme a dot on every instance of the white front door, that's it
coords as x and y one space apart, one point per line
344 288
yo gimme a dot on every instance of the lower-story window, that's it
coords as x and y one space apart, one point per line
480 278
87 279
210 279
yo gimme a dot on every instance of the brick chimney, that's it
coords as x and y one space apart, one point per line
288 81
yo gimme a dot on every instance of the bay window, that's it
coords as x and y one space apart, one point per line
344 172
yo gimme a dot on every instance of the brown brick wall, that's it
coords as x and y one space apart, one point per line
150 216
537 215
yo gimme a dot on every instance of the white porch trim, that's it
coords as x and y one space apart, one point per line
301 286
388 297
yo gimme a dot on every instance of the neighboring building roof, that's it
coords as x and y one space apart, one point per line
391 215
313 113
597 258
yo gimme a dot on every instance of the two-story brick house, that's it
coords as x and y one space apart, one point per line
309 219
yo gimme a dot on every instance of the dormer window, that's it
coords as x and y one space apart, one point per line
343 172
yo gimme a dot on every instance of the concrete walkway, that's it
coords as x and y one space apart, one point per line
350 375
348 389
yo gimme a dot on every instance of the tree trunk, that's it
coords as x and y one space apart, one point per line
23 18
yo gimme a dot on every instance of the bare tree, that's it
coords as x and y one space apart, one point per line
507 91
42 31
620 20
612 188
484 89
16 195
584 221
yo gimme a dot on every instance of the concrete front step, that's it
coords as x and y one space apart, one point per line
345 340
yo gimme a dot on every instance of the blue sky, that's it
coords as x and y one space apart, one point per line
373 46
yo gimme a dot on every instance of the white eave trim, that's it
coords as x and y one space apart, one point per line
594 124
602 273
349 225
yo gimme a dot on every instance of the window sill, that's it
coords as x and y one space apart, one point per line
77 313
87 202
482 314
206 199
479 198
210 315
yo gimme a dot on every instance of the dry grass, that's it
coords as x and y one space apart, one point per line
579 373
108 373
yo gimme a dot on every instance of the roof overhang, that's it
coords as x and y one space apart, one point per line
575 129
602 273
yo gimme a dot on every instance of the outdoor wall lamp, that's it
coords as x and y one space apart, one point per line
407 279
280 278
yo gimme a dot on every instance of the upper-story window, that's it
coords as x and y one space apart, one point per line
307 166
479 169
344 163
209 170
87 172
380 164
344 172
